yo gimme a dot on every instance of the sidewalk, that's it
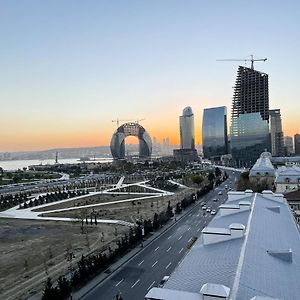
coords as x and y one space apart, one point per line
131 254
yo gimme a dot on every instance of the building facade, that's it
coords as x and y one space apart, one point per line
277 145
187 151
263 171
288 145
249 131
117 144
214 132
187 133
297 143
287 179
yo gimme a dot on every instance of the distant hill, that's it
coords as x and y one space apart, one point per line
100 151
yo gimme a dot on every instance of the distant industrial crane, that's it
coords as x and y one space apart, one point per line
252 60
118 121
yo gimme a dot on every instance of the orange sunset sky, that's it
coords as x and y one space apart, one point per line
69 68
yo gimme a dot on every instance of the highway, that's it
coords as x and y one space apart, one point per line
159 258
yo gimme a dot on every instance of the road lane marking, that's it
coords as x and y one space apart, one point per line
180 238
141 262
151 285
156 249
189 228
198 229
189 240
180 250
154 264
190 215
169 237
198 215
120 282
169 249
135 283
168 265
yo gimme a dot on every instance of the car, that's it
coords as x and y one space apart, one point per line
213 212
204 207
208 210
215 199
230 189
220 193
202 203
226 187
163 281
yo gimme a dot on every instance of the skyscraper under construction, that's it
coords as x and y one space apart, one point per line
250 117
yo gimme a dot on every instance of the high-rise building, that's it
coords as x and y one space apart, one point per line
288 145
276 133
214 132
187 151
249 131
187 135
297 143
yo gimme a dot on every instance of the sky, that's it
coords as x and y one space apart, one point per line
68 68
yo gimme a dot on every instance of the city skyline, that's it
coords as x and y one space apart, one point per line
69 69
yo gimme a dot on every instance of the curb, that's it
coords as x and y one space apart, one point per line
140 250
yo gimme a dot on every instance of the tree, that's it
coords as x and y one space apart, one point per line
211 177
50 292
155 221
197 179
218 172
64 288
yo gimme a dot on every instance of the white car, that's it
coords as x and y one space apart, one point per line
215 199
204 207
163 281
213 212
208 210
220 193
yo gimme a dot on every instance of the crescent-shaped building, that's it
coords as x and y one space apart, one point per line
117 144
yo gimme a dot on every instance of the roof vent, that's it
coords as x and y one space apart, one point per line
264 298
213 291
275 209
285 255
267 192
228 209
212 235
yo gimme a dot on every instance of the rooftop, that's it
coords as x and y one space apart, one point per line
263 166
253 251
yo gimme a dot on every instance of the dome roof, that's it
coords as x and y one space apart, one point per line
187 112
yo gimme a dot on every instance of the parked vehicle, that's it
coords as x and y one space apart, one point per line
213 212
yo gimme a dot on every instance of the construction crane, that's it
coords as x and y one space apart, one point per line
131 120
245 60
118 121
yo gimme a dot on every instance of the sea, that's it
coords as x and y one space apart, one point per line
13 165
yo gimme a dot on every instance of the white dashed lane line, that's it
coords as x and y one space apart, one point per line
156 249
154 264
169 249
120 282
135 283
141 262
150 286
168 265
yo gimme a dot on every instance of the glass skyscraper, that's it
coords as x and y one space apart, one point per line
214 132
249 131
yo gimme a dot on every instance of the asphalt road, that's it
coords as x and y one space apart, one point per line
160 258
